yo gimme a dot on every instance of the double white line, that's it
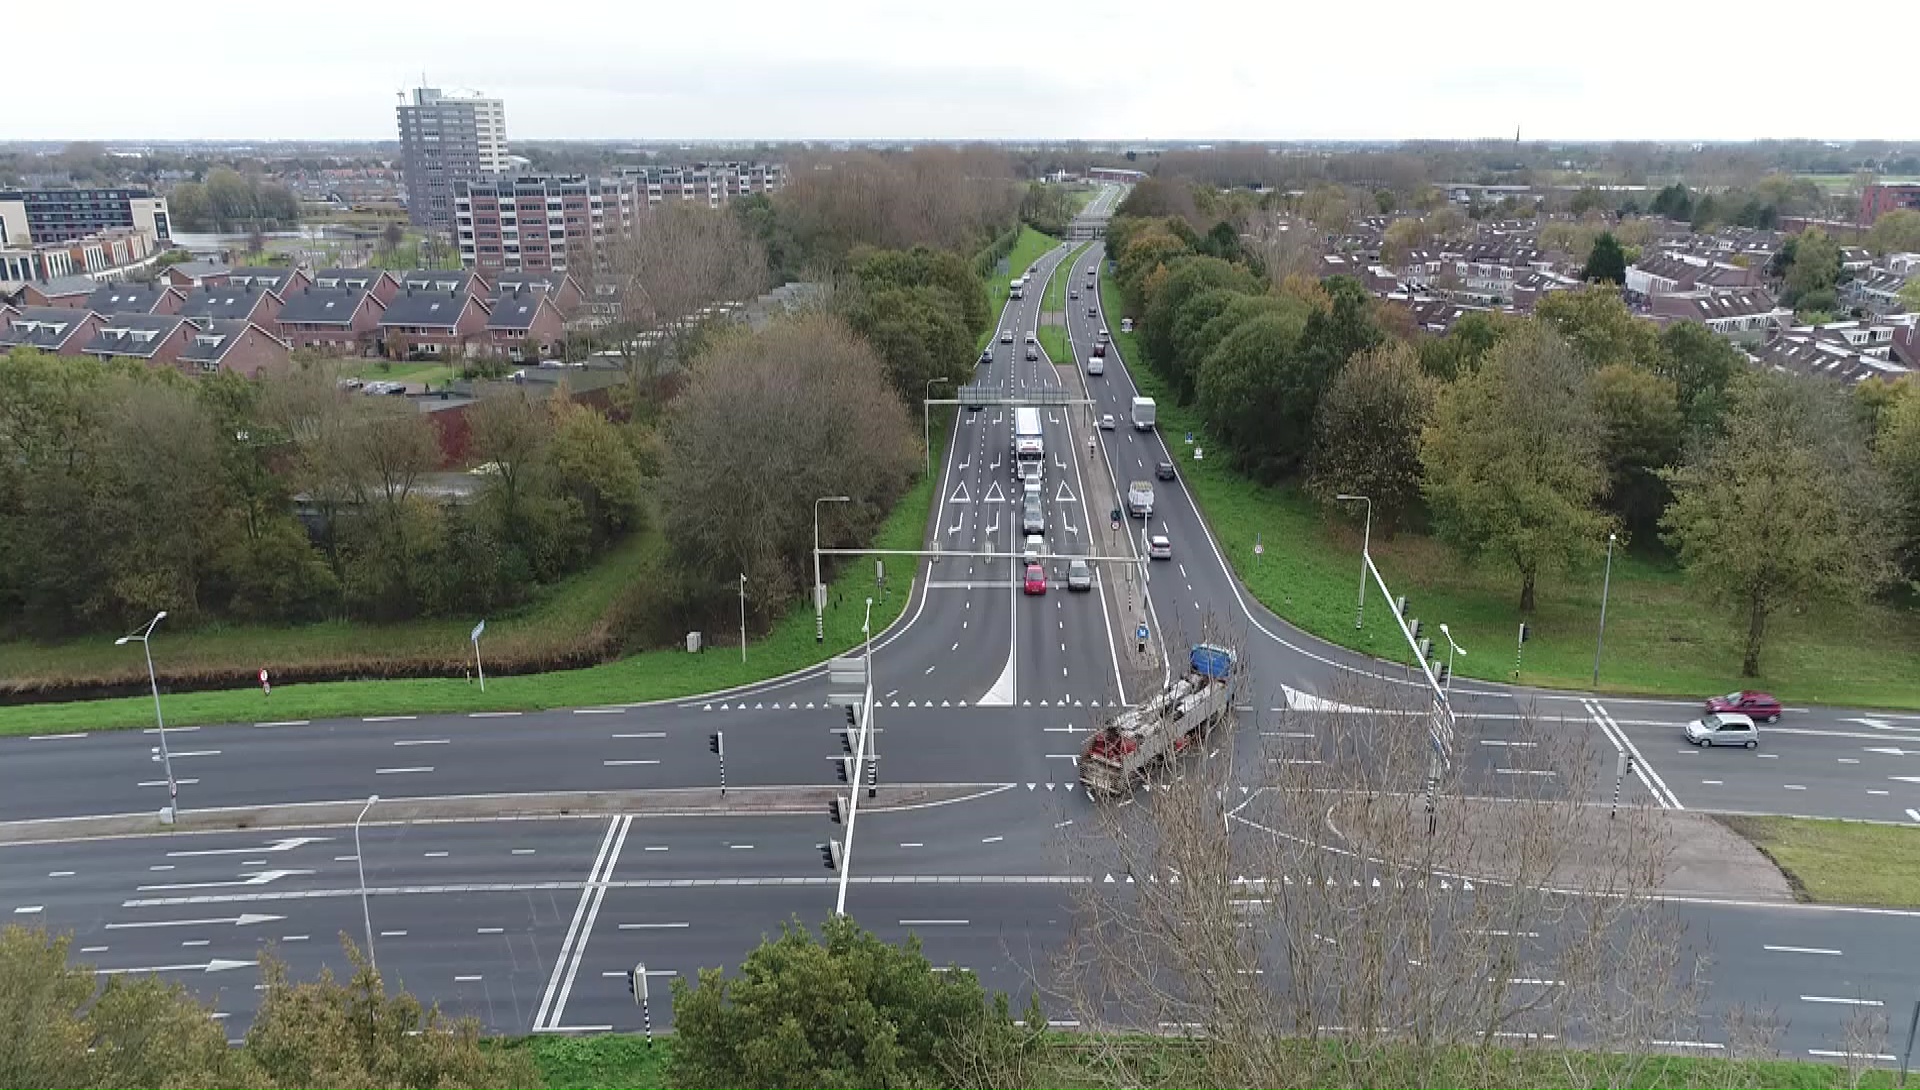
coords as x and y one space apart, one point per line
553 1003
1655 786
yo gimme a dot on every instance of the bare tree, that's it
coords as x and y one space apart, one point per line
1292 905
669 273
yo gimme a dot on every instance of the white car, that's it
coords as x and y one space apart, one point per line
1030 338
1106 421
1159 548
1723 729
1006 336
1036 546
1096 365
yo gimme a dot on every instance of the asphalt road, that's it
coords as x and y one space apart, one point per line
530 924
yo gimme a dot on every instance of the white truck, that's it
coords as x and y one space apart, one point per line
1122 753
1140 499
1143 410
1018 288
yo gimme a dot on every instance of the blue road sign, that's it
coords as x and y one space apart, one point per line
1141 632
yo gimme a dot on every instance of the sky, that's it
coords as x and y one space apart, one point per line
1115 70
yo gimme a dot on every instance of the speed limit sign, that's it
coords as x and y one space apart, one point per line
266 687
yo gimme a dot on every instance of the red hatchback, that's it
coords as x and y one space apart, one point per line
1759 707
1036 579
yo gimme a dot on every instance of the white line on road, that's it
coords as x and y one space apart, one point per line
54 737
933 923
1801 950
424 742
59 874
28 910
490 930
644 926
991 839
284 723
1830 1054
465 979
1516 745
611 764
1843 1002
490 715
401 771
599 711
393 934
386 718
644 734
436 855
162 783
523 851
1524 771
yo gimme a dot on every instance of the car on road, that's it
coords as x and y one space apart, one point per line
1164 470
1159 548
1100 349
1106 421
1079 575
1073 293
1031 339
1033 515
1759 707
1723 729
986 355
1096 365
1006 336
1036 579
1036 547
1104 335
1032 353
1093 312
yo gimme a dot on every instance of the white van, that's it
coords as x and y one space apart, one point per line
1096 365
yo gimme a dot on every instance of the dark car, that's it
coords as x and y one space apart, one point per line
1759 707
986 356
1164 470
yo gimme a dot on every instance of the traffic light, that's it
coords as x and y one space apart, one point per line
713 742
853 718
873 776
835 809
633 985
841 768
1523 631
846 740
1426 650
830 854
1442 673
1413 628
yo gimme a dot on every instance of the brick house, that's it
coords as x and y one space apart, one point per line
229 345
71 292
345 321
57 330
155 298
1744 317
523 326
378 281
232 302
150 338
278 279
194 274
433 323
561 289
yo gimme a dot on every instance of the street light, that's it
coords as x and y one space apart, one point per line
743 617
1606 585
145 638
1366 542
819 592
1452 650
926 421
358 861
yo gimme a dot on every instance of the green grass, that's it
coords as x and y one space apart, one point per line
390 371
1027 249
650 675
1840 862
624 1061
1055 300
1662 638
1054 339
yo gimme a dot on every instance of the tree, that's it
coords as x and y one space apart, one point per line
1701 363
1513 459
1606 262
391 236
1897 450
1599 326
1910 293
1186 279
1465 345
918 331
1791 458
1367 434
844 1009
1642 431
1257 394
1813 272
1895 232
665 272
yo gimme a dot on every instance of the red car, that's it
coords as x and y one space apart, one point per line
1759 707
1036 579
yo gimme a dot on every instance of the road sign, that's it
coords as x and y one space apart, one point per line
1189 438
1140 633
1258 548
477 629
265 685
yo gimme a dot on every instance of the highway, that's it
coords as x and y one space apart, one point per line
531 924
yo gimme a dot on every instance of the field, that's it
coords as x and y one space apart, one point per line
617 1060
1053 331
1840 862
1661 637
566 618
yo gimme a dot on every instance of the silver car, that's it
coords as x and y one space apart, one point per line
1079 575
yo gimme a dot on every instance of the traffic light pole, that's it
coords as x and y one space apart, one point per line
1441 730
861 748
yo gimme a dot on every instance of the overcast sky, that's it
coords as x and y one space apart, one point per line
863 69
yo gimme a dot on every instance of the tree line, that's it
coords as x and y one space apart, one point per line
1528 441
229 200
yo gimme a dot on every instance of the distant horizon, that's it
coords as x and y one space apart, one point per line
119 143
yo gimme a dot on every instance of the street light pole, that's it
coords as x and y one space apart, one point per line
743 616
359 861
145 639
819 592
1366 543
1452 649
926 421
1606 586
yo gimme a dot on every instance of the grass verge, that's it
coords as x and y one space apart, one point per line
1027 249
621 1060
1661 637
391 371
1839 862
650 675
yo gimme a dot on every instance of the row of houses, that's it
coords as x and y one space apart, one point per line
202 317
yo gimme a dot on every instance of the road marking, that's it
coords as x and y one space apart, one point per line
28 910
911 844
644 734
59 874
1801 950
424 742
1830 1054
54 737
599 711
1794 786
214 966
386 718
259 878
645 926
162 783
991 839
436 855
196 942
740 847
1286 733
933 923
93 949
523 851
1517 745
465 979
611 764
490 930
1686 1044
1914 814
401 771
1524 771
243 920
293 938
393 934
1842 1002
284 723
490 715
553 1002
1714 783
179 753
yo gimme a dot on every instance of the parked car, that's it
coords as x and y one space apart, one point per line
1723 729
1159 548
1079 575
1106 421
1760 707
1164 470
1036 579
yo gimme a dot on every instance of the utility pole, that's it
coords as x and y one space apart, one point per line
1606 585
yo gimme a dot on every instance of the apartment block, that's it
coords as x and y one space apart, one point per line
446 139
709 183
538 223
61 215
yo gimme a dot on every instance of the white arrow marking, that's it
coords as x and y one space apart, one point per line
1074 530
1905 779
1893 751
260 878
286 844
1876 724
214 966
243 920
957 526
